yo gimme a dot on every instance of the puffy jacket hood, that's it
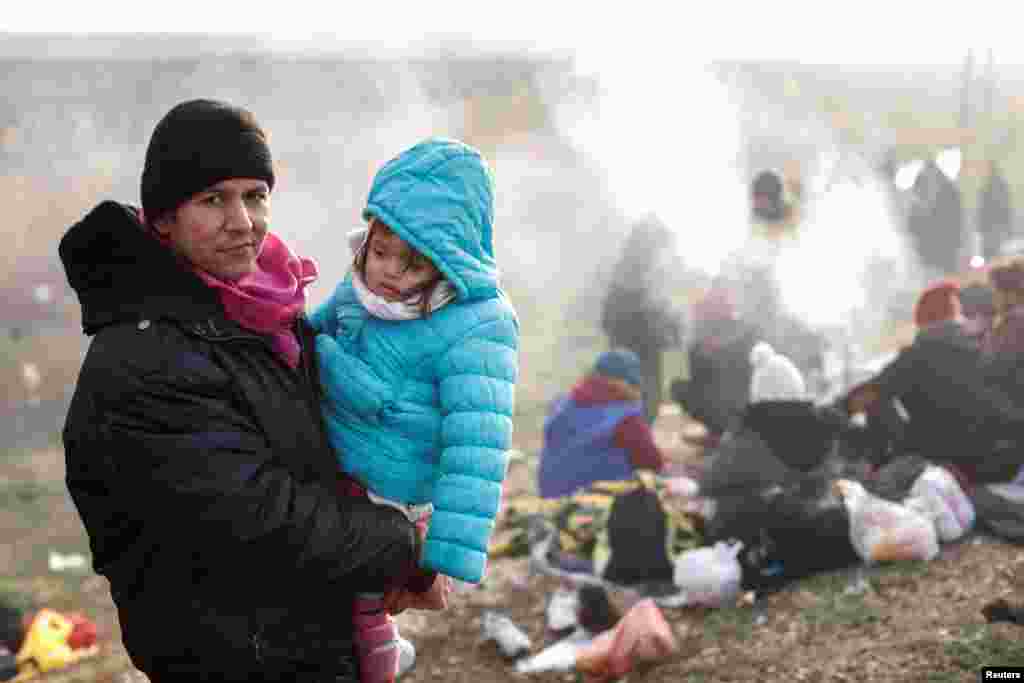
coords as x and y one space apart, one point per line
122 274
439 197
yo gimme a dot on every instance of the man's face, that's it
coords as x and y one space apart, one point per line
221 229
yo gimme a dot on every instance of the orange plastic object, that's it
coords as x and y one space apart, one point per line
641 636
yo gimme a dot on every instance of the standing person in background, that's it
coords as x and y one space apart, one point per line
935 220
418 347
196 454
597 431
751 275
637 313
995 213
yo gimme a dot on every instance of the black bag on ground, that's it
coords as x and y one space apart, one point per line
638 539
12 627
998 515
788 532
894 481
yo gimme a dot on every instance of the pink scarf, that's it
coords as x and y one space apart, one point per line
270 299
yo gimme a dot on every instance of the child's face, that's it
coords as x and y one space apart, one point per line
394 271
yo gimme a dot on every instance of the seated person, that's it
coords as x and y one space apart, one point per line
943 300
954 414
977 301
719 384
1003 343
774 377
597 432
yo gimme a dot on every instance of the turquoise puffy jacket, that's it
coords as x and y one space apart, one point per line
421 410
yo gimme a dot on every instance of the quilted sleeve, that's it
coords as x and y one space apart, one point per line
477 393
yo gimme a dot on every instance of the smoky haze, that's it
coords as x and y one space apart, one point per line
582 147
333 118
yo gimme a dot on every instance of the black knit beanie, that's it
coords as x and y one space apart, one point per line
198 144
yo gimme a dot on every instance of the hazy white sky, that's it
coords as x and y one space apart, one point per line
862 32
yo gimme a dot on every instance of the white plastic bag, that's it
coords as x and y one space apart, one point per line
952 510
561 609
682 486
710 575
512 640
561 656
883 531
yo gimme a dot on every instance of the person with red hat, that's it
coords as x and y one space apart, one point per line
939 301
955 414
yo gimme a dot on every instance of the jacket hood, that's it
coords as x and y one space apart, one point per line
123 274
439 197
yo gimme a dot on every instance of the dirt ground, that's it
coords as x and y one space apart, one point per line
916 622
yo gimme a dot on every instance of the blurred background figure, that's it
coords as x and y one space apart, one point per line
751 275
597 432
715 393
1004 342
935 220
995 213
637 312
774 377
977 303
939 301
771 202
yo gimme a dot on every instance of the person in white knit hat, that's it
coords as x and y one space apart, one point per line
775 377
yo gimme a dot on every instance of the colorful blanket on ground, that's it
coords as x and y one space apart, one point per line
580 520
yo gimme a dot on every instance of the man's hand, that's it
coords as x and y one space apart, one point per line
435 599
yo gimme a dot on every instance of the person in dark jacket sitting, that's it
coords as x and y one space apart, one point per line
597 432
195 450
955 413
720 372
977 303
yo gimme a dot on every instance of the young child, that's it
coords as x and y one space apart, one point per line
418 350
597 431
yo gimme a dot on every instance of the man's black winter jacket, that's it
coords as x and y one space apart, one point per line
198 463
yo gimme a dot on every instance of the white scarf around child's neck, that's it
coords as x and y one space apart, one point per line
378 306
